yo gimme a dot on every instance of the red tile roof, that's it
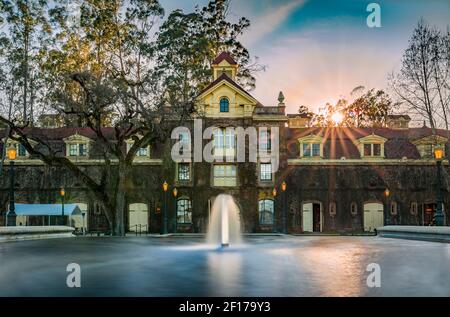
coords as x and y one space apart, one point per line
340 142
224 56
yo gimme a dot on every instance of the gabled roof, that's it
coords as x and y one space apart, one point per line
230 81
224 56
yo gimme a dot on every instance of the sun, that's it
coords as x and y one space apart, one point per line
337 118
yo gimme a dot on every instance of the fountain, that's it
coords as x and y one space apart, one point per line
224 226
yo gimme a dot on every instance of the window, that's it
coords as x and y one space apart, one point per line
266 211
264 140
311 149
230 139
219 142
414 209
184 171
73 150
367 149
332 209
393 208
143 151
185 140
82 149
22 151
265 172
224 175
224 105
184 211
372 149
354 209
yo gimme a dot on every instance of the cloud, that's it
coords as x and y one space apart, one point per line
268 21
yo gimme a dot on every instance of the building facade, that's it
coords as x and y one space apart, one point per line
323 180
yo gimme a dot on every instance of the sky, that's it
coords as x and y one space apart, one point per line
317 51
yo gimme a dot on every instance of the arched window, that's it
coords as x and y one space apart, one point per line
332 209
184 211
393 208
414 208
354 209
266 210
224 105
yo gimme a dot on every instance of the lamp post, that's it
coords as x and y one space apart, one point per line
11 215
439 216
274 194
175 194
283 189
387 215
83 214
62 192
165 188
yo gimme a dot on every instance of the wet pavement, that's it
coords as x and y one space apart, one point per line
263 266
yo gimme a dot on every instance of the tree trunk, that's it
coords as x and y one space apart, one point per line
121 199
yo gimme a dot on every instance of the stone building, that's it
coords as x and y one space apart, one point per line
324 179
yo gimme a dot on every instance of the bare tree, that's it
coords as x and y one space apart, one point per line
422 82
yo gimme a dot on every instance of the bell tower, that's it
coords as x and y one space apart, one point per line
224 64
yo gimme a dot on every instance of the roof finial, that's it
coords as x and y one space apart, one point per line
281 99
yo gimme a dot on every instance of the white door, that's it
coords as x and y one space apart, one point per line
307 218
138 217
373 216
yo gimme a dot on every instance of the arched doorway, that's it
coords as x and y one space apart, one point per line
373 216
312 217
138 219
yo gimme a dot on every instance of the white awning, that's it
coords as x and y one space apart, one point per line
46 209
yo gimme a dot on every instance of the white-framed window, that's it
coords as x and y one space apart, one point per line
311 146
371 146
224 142
77 146
264 140
225 175
78 149
266 209
265 171
141 152
184 172
311 149
184 211
21 152
372 150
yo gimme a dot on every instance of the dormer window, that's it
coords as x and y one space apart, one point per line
426 145
372 149
77 146
20 149
224 105
371 146
142 152
311 146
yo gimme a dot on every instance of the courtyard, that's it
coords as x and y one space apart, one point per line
261 266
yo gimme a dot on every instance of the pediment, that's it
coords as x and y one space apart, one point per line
77 138
431 139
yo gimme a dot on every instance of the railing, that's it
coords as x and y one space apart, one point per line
139 229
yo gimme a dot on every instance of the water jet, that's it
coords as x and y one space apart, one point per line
224 227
